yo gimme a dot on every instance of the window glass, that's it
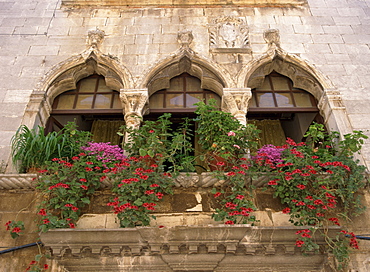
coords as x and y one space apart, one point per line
102 101
280 83
175 101
84 101
303 100
191 99
284 100
176 84
265 100
66 102
87 85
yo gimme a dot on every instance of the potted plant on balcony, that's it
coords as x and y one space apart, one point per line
222 138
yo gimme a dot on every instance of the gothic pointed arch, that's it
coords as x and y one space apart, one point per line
186 61
302 74
65 75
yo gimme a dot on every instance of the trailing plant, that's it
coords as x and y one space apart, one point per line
139 185
318 182
235 197
68 184
15 228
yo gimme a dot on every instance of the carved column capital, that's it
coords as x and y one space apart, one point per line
134 101
235 101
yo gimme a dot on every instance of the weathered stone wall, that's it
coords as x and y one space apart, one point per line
329 38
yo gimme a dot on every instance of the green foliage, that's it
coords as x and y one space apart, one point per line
318 181
221 134
235 197
156 137
31 148
15 228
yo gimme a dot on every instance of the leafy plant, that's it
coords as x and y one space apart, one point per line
314 179
31 148
222 135
235 197
156 137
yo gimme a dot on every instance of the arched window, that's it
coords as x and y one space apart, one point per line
280 110
93 106
180 97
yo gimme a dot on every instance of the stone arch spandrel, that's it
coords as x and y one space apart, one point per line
65 75
212 77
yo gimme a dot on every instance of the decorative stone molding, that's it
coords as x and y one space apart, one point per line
235 101
17 181
190 248
185 62
229 35
180 3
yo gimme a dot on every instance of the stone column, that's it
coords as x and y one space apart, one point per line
235 101
336 117
134 101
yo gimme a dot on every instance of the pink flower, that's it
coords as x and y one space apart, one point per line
231 133
235 145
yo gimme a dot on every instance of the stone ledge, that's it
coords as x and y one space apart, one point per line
190 248
180 3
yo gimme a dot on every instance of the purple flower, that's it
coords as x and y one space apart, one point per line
271 152
105 151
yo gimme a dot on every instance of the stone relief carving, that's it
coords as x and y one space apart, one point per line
236 102
229 35
185 38
134 102
95 38
272 37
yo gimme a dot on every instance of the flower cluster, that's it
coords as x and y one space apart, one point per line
37 265
15 228
104 152
235 199
139 184
68 184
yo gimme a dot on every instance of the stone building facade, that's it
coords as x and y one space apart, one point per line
48 46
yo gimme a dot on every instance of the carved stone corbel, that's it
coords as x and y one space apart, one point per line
134 101
235 101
